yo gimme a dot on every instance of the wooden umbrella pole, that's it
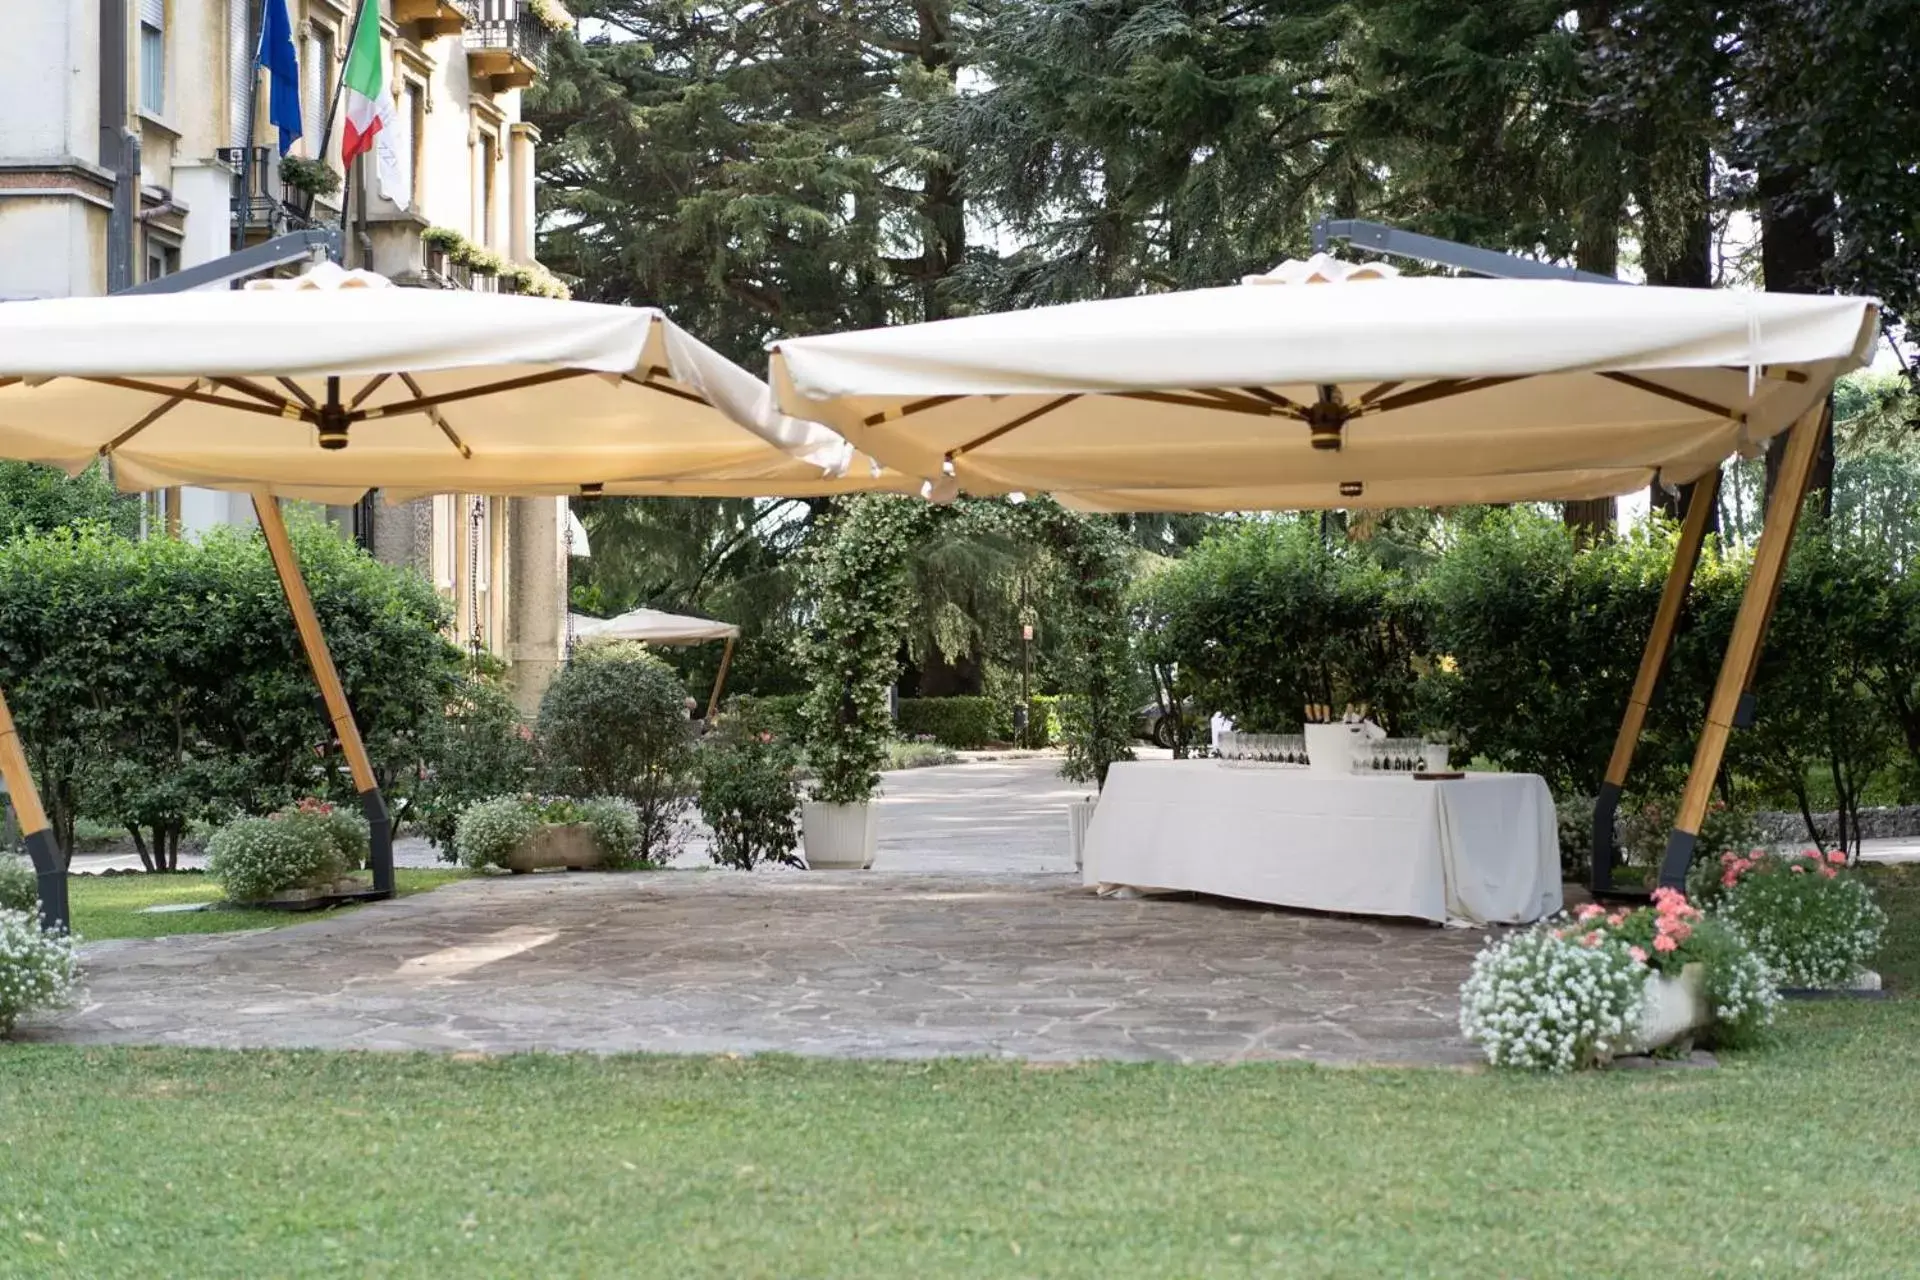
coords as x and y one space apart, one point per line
35 832
1701 501
720 680
1743 647
314 641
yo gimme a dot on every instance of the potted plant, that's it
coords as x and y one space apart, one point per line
1811 921
314 177
39 969
515 278
484 262
299 855
551 14
531 833
438 243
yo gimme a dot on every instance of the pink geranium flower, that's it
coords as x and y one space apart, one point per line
1837 858
1591 910
1590 940
1638 955
1665 943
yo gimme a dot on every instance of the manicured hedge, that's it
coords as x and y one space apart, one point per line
965 723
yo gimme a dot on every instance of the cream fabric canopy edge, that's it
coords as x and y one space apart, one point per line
1460 390
653 627
450 391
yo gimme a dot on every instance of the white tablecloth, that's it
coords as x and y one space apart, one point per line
1481 849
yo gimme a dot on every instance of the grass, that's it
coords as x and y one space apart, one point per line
1802 1159
110 906
1897 888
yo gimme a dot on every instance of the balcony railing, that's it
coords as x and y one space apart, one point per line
506 44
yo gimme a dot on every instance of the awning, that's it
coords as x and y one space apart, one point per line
653 627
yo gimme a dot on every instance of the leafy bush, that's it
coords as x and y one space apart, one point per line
255 858
920 754
19 885
1540 1000
748 797
1043 721
38 970
347 832
489 831
963 723
778 713
1811 923
614 723
479 748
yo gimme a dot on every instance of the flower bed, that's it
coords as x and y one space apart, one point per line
521 832
300 852
1812 922
1576 991
38 969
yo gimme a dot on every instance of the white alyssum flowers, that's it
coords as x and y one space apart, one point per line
1541 1001
38 970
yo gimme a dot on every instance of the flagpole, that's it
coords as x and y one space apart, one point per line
257 35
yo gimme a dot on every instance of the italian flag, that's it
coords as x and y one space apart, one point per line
369 106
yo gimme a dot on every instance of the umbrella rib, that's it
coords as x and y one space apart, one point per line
1377 392
199 397
247 387
1015 425
1188 401
434 416
1654 388
422 402
902 411
298 392
663 389
152 416
1277 400
1436 391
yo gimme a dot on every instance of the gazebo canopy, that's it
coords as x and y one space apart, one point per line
333 383
654 627
1326 384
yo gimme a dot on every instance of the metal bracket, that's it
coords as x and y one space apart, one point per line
278 252
1446 253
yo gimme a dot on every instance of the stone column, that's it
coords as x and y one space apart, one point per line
520 140
537 604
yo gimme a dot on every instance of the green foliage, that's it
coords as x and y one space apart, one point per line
1811 923
39 970
921 754
488 831
1096 665
19 885
161 682
256 858
780 713
614 723
37 499
481 747
963 723
314 177
747 795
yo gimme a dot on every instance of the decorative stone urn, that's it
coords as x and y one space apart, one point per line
838 837
1676 1007
561 844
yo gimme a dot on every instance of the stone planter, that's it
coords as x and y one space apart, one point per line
1675 1009
1331 747
838 837
1079 818
311 897
570 845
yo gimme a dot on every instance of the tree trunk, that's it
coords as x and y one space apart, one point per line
1796 244
140 847
1688 265
1597 250
941 207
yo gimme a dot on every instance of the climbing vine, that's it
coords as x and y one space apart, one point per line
858 582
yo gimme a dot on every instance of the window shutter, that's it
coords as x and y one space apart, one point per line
241 79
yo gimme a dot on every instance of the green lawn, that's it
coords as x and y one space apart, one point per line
1804 1159
109 906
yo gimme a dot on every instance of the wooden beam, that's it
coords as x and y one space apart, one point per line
1673 597
1743 647
1004 428
720 680
35 832
314 641
1678 397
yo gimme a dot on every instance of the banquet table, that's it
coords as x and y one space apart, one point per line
1480 849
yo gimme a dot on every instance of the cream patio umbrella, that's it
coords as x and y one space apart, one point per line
1326 384
654 626
333 383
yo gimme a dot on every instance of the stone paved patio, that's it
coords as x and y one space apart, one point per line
858 964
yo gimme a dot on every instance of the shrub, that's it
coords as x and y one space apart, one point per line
346 832
1543 1001
489 831
614 723
255 858
1043 721
963 723
778 713
38 969
479 748
748 797
19 885
920 754
1811 923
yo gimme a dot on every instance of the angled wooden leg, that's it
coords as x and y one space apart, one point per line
720 680
1701 502
35 832
1743 647
321 660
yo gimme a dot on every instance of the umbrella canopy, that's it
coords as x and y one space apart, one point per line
654 627
1328 385
336 382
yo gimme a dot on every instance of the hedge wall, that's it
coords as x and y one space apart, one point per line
965 723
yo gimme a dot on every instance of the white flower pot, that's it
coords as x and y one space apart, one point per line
1675 1008
1079 817
838 837
1331 747
1435 756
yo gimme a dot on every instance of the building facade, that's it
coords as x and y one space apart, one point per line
134 142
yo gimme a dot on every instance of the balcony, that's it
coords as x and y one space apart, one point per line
428 20
506 45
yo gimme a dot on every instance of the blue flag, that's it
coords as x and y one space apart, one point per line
283 71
